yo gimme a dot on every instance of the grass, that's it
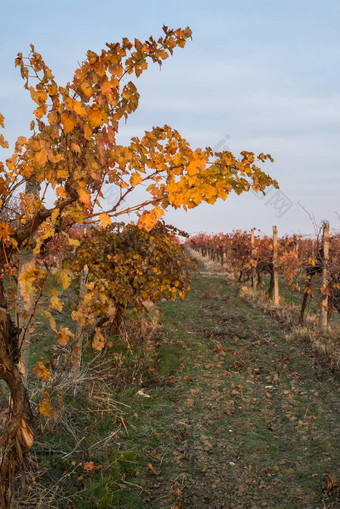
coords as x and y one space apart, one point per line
219 410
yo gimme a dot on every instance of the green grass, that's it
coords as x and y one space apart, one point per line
237 417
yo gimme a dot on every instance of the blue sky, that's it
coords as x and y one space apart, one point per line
260 76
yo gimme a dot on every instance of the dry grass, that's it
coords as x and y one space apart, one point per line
327 346
140 330
90 419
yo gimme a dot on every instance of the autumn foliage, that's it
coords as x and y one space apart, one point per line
299 261
128 268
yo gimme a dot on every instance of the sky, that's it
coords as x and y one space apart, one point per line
259 76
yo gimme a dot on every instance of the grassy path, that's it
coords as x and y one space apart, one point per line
238 418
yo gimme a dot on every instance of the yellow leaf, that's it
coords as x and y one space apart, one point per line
62 173
54 215
48 231
28 276
64 278
20 142
135 179
73 242
45 407
50 320
105 220
69 121
41 371
52 89
55 302
98 342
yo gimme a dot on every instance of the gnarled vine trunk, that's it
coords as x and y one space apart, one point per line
17 425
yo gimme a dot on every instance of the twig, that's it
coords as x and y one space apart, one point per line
76 447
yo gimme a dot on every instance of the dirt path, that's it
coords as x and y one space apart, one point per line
241 418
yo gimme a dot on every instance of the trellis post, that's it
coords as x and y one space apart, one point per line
324 288
275 268
254 279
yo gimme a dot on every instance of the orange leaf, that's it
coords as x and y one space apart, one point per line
152 470
135 179
86 88
69 121
64 335
90 466
87 132
98 342
41 157
3 142
79 108
84 197
75 147
96 118
147 220
105 220
60 191
159 212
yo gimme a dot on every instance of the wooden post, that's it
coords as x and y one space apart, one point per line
84 274
296 243
325 258
254 278
275 272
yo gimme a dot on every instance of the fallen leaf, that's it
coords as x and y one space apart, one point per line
90 466
152 470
